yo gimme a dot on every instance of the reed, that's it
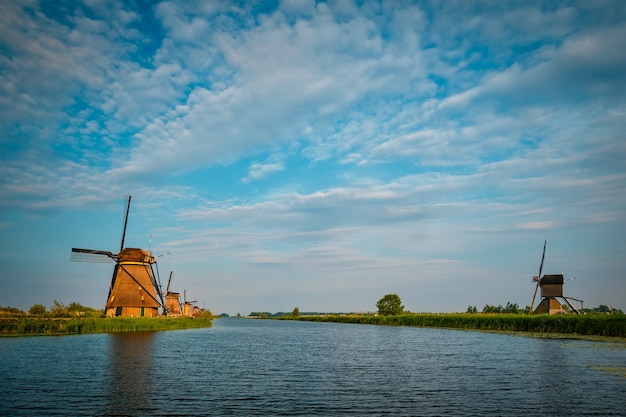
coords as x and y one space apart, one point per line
588 325
55 326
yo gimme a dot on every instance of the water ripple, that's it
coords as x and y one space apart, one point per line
278 368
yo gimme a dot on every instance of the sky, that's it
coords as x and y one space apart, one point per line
318 155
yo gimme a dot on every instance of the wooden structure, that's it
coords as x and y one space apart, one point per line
172 304
135 287
189 309
551 290
133 291
172 301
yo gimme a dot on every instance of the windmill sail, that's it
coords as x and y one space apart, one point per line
90 255
538 277
116 268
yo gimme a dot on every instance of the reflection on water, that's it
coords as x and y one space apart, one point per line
130 376
553 373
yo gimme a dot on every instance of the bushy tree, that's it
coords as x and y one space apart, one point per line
58 309
296 312
37 310
511 308
11 312
76 307
488 308
390 305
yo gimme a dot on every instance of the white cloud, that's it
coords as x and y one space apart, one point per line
397 134
259 171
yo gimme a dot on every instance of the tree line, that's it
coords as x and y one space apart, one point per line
56 310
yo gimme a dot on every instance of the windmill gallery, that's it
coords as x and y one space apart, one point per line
135 289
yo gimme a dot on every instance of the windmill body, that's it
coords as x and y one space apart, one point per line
172 304
133 292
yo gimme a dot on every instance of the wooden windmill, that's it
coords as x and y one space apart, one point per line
189 309
135 287
172 301
551 290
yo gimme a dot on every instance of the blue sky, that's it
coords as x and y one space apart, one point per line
315 154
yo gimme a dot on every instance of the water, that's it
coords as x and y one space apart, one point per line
272 368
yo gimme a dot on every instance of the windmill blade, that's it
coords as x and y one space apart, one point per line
169 281
90 255
542 258
127 209
532 303
156 281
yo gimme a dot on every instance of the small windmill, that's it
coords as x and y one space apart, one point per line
189 309
172 300
135 287
551 289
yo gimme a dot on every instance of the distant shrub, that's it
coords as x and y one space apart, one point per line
37 310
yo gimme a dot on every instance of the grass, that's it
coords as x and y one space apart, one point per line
588 325
67 326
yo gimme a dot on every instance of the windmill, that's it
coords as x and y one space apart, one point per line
551 289
135 287
189 309
172 300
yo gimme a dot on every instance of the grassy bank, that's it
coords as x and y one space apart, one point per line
66 326
588 325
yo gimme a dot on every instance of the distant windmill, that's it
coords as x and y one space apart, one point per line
135 287
551 289
189 309
172 300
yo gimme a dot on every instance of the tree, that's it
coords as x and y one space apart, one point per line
58 309
37 310
488 308
296 312
511 308
390 305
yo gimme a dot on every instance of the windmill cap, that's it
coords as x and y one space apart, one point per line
552 279
135 255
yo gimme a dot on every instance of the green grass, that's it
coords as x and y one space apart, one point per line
56 326
588 325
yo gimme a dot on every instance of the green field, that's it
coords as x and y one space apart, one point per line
586 325
25 326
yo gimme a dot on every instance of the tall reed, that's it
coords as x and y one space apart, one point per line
597 325
42 326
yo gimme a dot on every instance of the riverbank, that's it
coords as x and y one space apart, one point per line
608 326
68 326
